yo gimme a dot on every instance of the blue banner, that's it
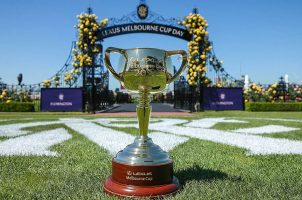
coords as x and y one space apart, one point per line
61 99
223 99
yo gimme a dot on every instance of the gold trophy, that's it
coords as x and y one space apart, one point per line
143 169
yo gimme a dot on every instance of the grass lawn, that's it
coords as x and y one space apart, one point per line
206 169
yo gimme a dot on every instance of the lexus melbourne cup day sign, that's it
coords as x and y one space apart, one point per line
61 99
223 98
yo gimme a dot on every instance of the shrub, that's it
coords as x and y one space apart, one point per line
266 106
17 107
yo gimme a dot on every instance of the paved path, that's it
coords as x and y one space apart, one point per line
153 114
158 110
156 107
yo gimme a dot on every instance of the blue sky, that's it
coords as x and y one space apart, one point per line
261 38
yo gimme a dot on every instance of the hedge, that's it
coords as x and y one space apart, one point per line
17 107
265 106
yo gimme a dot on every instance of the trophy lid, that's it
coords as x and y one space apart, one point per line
143 152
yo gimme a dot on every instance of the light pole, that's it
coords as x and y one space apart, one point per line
282 88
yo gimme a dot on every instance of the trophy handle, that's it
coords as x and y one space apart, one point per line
183 63
108 63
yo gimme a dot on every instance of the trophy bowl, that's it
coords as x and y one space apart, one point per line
143 169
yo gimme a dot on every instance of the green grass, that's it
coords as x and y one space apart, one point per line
206 170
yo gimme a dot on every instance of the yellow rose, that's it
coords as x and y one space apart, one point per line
203 56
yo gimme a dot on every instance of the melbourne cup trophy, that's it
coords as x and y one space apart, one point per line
143 169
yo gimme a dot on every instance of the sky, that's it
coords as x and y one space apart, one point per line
261 38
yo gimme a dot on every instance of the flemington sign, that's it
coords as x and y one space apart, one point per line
144 28
61 99
222 98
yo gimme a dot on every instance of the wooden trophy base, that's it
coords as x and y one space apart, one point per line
141 180
113 188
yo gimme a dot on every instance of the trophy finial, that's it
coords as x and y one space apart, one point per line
195 10
89 10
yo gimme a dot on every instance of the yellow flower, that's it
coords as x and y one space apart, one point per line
203 56
9 101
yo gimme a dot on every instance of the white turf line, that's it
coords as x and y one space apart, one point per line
266 129
12 130
167 141
4 120
35 144
163 122
269 119
114 141
210 122
255 144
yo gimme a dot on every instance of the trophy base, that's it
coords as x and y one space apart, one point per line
113 188
142 169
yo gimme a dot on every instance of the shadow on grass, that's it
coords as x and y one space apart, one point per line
198 173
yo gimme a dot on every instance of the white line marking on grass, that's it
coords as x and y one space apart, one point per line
167 141
5 120
111 140
270 119
163 122
35 144
265 129
12 130
114 141
210 122
255 144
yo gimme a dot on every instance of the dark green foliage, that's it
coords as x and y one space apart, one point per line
266 106
17 107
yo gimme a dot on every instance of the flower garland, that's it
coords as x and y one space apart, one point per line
198 49
46 83
56 80
86 47
72 76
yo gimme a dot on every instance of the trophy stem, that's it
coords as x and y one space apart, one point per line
143 110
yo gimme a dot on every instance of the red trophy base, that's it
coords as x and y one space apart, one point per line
141 181
113 188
